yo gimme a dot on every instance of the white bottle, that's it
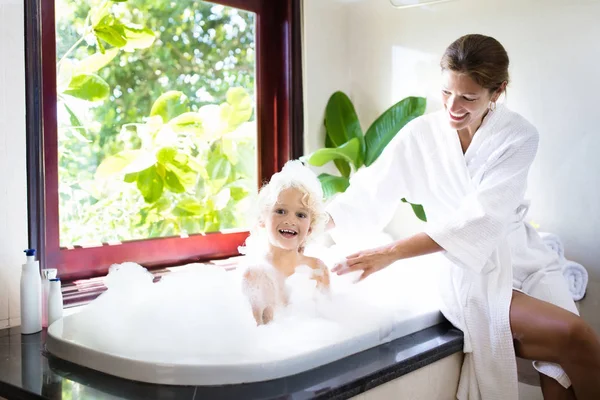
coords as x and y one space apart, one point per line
31 295
55 301
47 274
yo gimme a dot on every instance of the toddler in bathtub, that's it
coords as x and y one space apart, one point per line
290 210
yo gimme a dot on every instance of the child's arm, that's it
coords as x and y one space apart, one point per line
260 290
321 274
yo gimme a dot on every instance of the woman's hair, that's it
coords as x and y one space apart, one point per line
297 176
481 57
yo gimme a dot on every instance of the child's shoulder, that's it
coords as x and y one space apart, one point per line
313 262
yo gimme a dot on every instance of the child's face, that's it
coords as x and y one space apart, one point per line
288 222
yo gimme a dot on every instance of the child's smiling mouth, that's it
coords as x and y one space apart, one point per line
288 233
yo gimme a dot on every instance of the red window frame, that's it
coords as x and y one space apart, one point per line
279 115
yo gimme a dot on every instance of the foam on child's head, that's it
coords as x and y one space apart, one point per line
293 175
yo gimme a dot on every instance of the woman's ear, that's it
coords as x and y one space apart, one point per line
499 91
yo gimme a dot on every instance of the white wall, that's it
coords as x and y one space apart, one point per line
555 55
13 185
326 67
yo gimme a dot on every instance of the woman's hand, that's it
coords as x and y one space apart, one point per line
369 261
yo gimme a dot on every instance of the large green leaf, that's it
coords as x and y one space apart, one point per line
150 184
385 128
342 165
342 122
111 30
179 175
169 105
127 161
333 184
189 122
77 127
88 87
349 152
188 207
219 169
95 62
418 210
237 109
137 37
172 182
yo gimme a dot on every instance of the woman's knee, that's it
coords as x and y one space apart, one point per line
578 339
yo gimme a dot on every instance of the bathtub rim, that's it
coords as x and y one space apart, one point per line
227 374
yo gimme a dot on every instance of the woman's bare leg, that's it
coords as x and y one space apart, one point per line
552 390
545 332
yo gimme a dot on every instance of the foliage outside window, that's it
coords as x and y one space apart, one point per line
156 118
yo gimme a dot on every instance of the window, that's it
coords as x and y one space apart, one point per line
159 120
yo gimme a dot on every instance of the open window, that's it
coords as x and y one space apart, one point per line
151 125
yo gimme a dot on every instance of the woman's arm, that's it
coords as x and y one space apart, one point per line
375 192
373 260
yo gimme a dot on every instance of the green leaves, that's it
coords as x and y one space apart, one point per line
187 122
346 146
95 62
170 105
349 151
418 210
138 37
385 128
341 120
238 108
122 35
150 184
88 87
126 162
333 184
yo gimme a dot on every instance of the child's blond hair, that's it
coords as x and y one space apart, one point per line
297 176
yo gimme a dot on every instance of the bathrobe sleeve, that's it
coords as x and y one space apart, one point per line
470 235
375 192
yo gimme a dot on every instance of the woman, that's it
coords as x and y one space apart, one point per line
468 165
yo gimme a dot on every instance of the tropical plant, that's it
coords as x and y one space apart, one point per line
350 149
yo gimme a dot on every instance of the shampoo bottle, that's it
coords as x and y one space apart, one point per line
55 301
31 295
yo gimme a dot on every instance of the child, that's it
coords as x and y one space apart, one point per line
290 210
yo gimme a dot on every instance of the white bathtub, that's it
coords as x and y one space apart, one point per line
422 313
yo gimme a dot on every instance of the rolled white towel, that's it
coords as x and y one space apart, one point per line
577 278
553 242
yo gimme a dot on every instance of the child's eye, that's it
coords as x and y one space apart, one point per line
279 211
447 93
301 215
467 99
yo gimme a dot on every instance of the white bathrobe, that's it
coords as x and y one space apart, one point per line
475 208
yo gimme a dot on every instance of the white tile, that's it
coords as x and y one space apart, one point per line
4 323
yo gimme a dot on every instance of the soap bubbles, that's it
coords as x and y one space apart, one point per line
199 314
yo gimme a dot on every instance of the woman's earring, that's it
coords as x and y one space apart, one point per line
492 106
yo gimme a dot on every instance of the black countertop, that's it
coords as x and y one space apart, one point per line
28 372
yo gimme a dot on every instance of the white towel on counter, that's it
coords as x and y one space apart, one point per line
553 241
577 278
575 274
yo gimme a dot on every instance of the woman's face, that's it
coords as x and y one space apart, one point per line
465 101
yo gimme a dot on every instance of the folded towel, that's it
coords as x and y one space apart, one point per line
553 242
577 278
